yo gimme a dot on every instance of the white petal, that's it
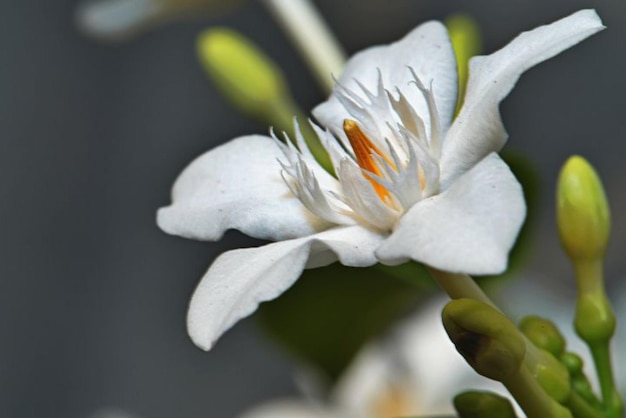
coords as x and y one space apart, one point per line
478 129
291 409
469 228
373 374
426 49
360 195
237 186
240 279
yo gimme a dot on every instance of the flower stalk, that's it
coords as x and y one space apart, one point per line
312 37
458 286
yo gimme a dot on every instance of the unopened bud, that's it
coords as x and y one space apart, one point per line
543 333
487 339
466 41
551 375
241 71
477 404
582 211
580 384
595 321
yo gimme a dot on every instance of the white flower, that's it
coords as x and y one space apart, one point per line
412 183
415 371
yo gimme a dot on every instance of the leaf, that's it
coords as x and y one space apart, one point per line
331 312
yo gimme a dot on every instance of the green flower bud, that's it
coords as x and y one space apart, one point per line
572 362
552 376
466 41
486 338
582 211
242 73
476 404
584 226
544 334
255 86
595 320
580 384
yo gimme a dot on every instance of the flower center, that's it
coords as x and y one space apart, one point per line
366 154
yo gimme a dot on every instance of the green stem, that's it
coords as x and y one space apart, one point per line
532 398
460 286
580 407
312 37
595 324
611 399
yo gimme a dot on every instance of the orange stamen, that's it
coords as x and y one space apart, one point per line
364 150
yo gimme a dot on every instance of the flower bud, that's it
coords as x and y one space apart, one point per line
580 384
543 333
476 404
582 211
551 375
242 73
594 321
487 340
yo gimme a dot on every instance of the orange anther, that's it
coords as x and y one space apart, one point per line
364 150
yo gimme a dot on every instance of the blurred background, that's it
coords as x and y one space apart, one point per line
93 295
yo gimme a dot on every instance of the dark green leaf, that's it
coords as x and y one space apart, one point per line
327 316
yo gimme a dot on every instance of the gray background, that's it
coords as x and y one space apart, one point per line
93 296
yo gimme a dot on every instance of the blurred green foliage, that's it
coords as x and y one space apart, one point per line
331 312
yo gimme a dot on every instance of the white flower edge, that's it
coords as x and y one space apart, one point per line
293 408
237 185
478 129
426 49
477 219
239 280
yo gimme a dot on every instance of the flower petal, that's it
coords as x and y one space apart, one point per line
237 186
292 408
426 49
478 129
240 279
468 228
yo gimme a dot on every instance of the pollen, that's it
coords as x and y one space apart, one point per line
364 151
